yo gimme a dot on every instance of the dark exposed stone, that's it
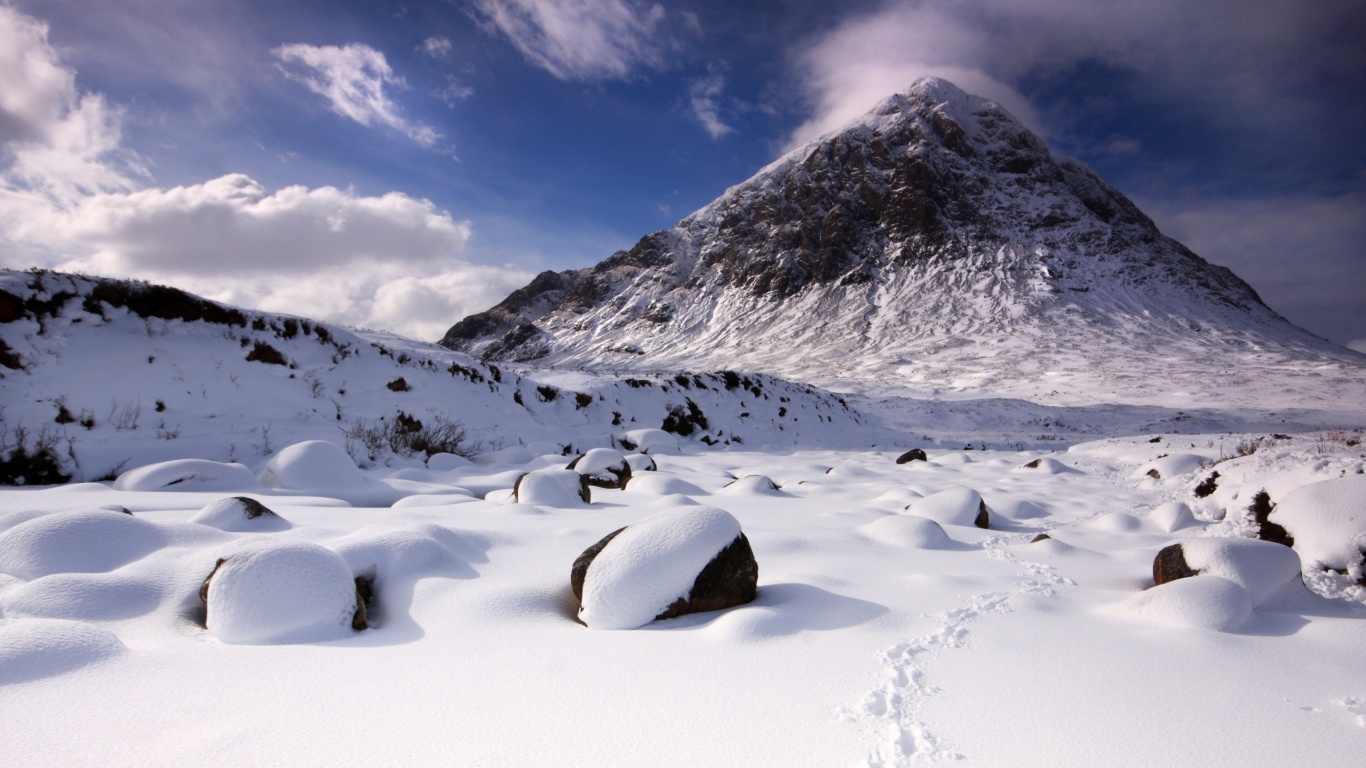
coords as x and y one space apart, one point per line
365 595
613 477
1207 486
1039 538
204 588
1261 508
253 508
983 519
581 563
730 579
915 454
1154 474
1170 565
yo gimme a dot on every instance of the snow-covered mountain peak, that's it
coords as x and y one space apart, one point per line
934 228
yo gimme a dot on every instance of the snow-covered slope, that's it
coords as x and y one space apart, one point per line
934 247
112 375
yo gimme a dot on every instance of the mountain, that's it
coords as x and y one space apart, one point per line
935 247
102 376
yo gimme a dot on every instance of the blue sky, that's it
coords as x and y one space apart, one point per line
398 165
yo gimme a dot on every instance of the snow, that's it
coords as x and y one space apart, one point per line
951 506
1327 521
1259 567
651 564
91 541
278 593
550 488
187 475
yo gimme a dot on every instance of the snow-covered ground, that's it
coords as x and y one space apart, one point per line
876 635
888 628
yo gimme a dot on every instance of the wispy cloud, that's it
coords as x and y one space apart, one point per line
703 95
580 39
353 79
436 47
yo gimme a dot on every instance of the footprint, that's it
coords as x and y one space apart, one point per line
1356 706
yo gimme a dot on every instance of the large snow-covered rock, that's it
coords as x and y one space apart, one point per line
682 560
32 649
552 488
1259 567
240 514
188 475
281 593
89 541
1327 521
1202 602
953 506
603 467
312 465
909 531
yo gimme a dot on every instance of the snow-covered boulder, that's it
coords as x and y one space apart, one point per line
908 531
684 560
641 462
188 475
89 541
445 462
1047 466
312 465
240 514
1173 465
953 506
1259 567
751 485
603 467
1327 521
552 488
660 484
655 441
282 593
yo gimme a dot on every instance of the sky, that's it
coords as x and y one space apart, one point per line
400 165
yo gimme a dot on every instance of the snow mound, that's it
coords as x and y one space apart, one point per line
598 461
33 649
512 455
658 484
1172 516
654 441
386 552
1019 509
1327 520
240 514
1175 465
1115 522
457 496
750 485
640 462
908 531
951 459
312 465
551 488
91 541
1259 567
84 596
953 506
188 475
1202 602
281 593
445 462
651 564
1047 466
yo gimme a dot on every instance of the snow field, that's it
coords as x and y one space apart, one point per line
876 634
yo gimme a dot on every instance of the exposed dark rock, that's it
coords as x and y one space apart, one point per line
915 454
983 519
1154 474
1207 486
581 563
730 579
253 508
365 595
1039 538
615 476
1170 565
1261 508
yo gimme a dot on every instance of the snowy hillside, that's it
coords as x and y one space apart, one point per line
933 248
113 375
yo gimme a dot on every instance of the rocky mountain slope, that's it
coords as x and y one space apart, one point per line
933 247
102 376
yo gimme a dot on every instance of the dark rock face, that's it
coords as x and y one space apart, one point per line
615 476
1170 565
1261 508
1207 486
730 579
1039 538
253 508
983 518
915 454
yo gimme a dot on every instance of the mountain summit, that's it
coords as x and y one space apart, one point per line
934 245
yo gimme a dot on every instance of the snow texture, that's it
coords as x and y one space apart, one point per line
281 593
90 541
232 514
1327 520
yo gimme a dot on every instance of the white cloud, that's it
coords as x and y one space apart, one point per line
454 92
702 97
437 47
67 201
579 39
352 78
1222 57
